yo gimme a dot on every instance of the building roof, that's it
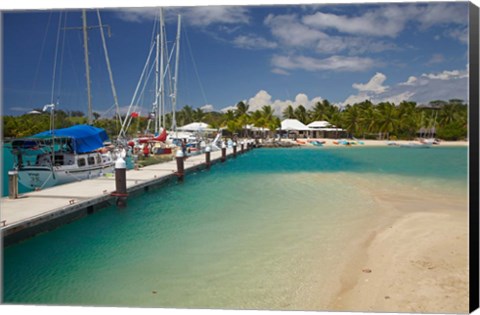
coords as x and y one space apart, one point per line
293 124
195 126
319 124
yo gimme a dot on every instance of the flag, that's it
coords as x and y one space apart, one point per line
134 114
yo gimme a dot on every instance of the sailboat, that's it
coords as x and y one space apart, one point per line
158 140
60 156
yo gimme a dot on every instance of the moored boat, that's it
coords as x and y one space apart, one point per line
61 156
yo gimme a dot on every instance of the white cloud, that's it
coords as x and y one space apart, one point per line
374 85
253 42
263 98
207 108
136 15
460 34
259 100
446 75
226 109
411 81
390 20
397 98
442 13
196 16
363 96
353 99
291 32
334 63
206 15
381 22
445 85
280 71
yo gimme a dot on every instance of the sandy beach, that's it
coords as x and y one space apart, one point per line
414 258
363 143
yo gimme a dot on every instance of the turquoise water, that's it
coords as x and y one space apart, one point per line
268 230
7 164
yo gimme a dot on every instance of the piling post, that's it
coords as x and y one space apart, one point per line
180 165
242 148
234 149
224 152
121 182
13 184
207 157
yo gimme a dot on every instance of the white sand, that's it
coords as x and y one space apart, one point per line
413 259
330 142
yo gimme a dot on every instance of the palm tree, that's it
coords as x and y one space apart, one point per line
301 114
228 116
198 115
335 119
319 111
186 114
368 118
448 113
267 112
387 119
288 112
408 118
244 121
267 115
351 119
242 109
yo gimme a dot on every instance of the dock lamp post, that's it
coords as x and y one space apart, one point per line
180 165
224 152
207 157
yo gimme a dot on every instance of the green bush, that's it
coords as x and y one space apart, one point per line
453 131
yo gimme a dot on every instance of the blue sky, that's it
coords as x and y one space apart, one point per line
265 55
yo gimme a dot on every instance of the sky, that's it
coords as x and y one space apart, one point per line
264 55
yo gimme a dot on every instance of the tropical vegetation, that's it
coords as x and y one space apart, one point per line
385 120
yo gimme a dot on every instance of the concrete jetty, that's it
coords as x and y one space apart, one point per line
39 211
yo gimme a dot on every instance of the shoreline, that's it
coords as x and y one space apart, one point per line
412 258
370 143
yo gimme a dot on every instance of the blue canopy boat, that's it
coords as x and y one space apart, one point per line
61 156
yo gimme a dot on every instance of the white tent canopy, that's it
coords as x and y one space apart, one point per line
293 124
196 126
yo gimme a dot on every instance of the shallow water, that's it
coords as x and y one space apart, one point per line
269 230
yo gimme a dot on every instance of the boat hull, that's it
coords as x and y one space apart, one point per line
39 178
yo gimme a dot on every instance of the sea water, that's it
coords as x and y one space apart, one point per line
270 229
8 165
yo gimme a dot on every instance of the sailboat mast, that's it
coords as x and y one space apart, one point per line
157 95
87 66
175 90
109 68
161 118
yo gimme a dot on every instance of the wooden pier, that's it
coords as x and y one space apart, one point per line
44 210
